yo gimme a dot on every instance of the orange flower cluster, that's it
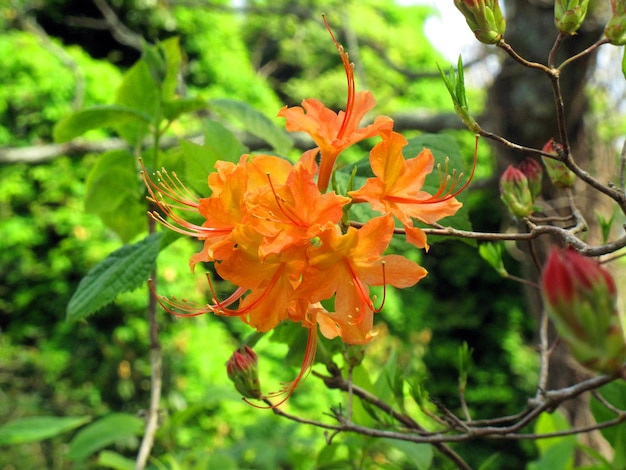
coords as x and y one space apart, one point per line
272 229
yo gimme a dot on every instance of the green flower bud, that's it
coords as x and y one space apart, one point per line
615 29
515 193
484 18
242 370
560 175
581 298
569 14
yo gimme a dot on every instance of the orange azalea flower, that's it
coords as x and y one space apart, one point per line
334 132
344 266
397 188
294 213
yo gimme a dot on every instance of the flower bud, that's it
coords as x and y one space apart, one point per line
560 175
581 298
242 370
533 171
569 14
484 18
615 29
515 193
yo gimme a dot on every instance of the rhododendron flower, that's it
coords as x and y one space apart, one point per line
345 265
398 185
272 230
334 132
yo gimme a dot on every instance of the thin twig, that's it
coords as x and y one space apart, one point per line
590 49
156 382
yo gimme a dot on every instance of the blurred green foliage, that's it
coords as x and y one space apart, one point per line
267 55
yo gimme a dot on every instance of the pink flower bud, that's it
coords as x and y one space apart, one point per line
515 193
485 19
533 170
560 175
581 298
615 29
242 370
569 14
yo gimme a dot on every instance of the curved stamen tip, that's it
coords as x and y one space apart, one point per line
382 303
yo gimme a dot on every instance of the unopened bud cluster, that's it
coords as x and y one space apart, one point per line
484 18
569 14
243 371
615 29
560 175
581 298
520 186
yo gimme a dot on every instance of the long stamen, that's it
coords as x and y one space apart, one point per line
382 304
170 187
305 369
220 307
363 294
167 304
349 68
443 183
282 209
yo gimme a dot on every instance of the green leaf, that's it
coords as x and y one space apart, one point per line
102 433
123 270
615 394
172 109
255 123
199 160
420 455
38 428
170 48
113 460
113 194
492 253
139 91
549 423
112 116
624 63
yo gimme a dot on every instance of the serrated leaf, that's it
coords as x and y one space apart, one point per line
122 271
38 428
255 123
113 194
115 461
112 116
102 433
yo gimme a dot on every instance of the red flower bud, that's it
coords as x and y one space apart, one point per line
581 298
533 170
242 370
515 193
560 175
